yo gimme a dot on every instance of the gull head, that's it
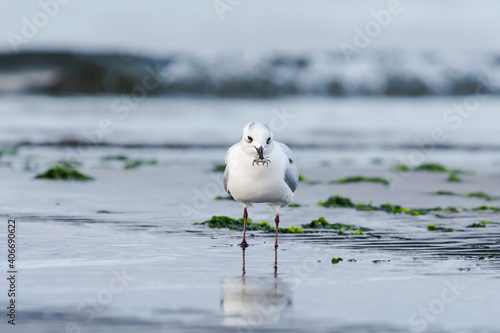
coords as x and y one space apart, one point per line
257 141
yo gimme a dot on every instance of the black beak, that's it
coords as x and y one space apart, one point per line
260 151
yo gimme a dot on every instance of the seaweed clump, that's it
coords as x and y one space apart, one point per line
359 179
132 164
432 227
302 178
228 197
453 178
61 172
219 168
481 195
219 222
114 158
336 260
481 224
322 223
429 167
432 167
444 193
478 195
337 201
400 167
342 202
493 208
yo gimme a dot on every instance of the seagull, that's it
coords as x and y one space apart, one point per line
260 170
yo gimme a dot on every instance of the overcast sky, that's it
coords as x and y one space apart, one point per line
160 26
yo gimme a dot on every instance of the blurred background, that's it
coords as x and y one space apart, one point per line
353 72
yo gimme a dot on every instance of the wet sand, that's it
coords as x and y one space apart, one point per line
143 265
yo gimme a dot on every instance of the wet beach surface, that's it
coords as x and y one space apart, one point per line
177 276
121 252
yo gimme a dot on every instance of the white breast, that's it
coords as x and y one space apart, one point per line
251 183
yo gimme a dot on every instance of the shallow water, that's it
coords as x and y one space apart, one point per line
177 276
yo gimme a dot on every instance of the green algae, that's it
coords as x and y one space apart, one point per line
219 168
336 260
436 167
304 180
337 201
60 172
133 164
453 178
428 167
481 224
103 212
114 158
228 197
294 230
482 195
444 193
129 163
493 208
343 202
477 195
294 205
359 179
322 223
432 167
432 227
224 222
220 222
400 168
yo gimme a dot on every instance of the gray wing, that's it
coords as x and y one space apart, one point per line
226 179
291 172
226 171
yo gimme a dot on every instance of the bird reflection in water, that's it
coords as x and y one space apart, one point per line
250 301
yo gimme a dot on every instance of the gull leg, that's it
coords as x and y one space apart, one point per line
244 243
277 220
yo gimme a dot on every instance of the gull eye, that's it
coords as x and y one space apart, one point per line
249 138
268 140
